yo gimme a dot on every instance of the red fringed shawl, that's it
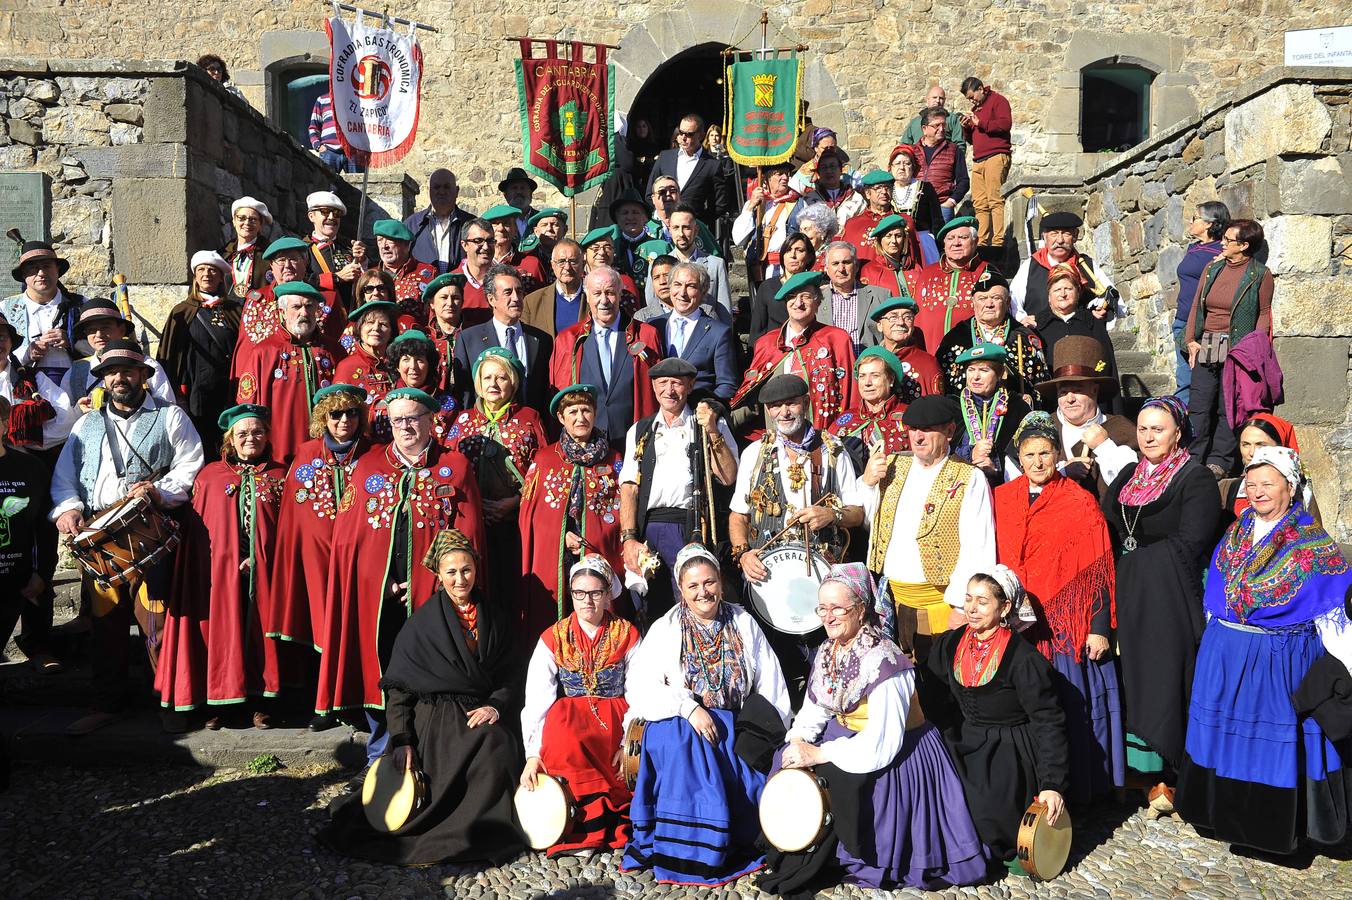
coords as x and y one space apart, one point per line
1060 549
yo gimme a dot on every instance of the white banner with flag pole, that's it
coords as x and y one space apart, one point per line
375 78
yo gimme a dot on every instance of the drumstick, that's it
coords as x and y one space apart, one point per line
826 498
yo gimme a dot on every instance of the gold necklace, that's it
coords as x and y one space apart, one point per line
797 475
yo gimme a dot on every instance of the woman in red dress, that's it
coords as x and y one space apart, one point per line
444 298
374 323
214 650
500 437
317 484
573 718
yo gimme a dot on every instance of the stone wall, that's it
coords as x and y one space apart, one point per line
870 64
144 159
1278 151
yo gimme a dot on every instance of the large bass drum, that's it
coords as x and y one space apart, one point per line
787 598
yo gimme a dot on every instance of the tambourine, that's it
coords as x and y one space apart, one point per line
795 810
632 751
391 796
547 813
1043 848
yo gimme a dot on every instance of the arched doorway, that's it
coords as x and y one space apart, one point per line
689 82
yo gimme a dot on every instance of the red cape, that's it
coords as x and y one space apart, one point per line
475 309
866 426
932 290
300 579
543 516
444 495
565 366
260 319
826 359
522 433
214 649
364 370
410 280
856 231
275 377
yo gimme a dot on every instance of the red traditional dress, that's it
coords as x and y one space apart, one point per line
475 310
565 366
445 344
532 273
568 488
284 376
896 276
857 229
359 367
823 355
384 527
883 424
410 280
443 420
573 720
260 319
501 448
944 294
315 487
29 410
214 649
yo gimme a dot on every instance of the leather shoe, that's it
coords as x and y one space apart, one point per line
212 724
46 663
262 720
90 722
324 723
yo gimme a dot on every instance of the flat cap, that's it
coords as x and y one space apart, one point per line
783 387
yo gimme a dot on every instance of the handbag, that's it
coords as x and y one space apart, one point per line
1215 347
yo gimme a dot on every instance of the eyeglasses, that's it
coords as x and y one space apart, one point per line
832 611
667 191
374 289
478 242
328 213
688 134
593 596
407 421
1230 240
569 261
336 415
245 220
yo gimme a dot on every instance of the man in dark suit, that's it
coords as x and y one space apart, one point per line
693 333
532 347
698 174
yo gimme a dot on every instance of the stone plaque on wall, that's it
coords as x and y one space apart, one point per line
25 205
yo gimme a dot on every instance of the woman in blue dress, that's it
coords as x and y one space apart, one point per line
1255 773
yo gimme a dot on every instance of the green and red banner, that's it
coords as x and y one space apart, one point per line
764 115
566 103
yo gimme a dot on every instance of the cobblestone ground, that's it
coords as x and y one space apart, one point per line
184 832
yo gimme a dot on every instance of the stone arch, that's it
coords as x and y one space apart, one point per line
651 43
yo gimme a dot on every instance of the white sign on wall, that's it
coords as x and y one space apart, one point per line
1320 46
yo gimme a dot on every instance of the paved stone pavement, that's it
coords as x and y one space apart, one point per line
180 831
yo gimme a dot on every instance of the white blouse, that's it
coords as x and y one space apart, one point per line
878 743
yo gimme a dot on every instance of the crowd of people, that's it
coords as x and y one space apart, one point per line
493 494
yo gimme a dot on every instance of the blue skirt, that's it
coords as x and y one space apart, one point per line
694 811
1254 772
1094 731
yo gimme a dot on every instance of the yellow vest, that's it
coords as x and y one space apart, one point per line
937 535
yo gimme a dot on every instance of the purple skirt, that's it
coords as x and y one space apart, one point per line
1094 730
923 836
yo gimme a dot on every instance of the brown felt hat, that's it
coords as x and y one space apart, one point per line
1080 358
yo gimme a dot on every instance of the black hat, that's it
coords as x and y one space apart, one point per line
629 195
783 387
1060 221
990 279
931 411
516 173
120 353
95 310
12 331
38 251
673 367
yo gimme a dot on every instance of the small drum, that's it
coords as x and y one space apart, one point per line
795 810
1043 848
124 541
787 599
547 813
390 796
632 751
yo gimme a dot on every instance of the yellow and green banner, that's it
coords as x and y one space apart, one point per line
763 114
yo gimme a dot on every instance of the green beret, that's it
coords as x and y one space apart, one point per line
500 212
877 176
297 287
549 212
412 334
528 243
955 222
887 224
408 393
599 234
374 306
440 282
992 353
887 356
341 388
226 420
392 229
892 303
800 282
588 389
650 250
501 353
283 244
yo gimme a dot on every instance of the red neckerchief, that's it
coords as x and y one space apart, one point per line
1042 259
947 266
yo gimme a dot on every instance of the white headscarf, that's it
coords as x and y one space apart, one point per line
592 564
1287 462
1021 611
695 551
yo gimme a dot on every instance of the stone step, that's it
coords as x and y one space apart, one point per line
1124 339
1143 385
1133 360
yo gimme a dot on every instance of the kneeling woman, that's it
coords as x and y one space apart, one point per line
446 688
704 662
1256 773
1011 748
576 736
900 815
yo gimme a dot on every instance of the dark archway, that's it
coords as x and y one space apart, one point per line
1114 106
690 81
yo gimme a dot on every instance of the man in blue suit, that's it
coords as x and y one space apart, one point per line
533 347
692 332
